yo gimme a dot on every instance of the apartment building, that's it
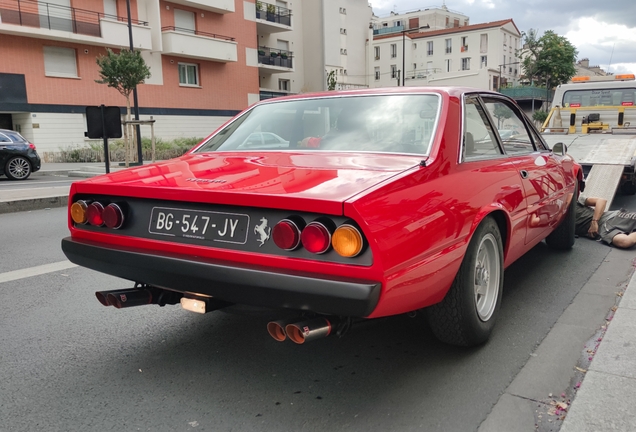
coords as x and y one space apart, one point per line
209 59
197 51
475 55
436 18
295 55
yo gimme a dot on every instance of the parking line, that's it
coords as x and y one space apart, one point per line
35 271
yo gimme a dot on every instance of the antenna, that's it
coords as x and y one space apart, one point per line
611 55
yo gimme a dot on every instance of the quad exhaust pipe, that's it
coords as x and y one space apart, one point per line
300 331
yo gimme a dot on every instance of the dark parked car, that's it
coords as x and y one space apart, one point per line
18 158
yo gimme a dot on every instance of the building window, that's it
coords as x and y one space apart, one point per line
449 46
429 48
393 71
397 23
377 73
184 21
464 43
60 62
466 63
377 52
188 74
447 22
283 84
483 43
393 50
343 31
456 22
447 65
484 62
343 51
343 11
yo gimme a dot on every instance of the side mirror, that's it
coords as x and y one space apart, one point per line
560 149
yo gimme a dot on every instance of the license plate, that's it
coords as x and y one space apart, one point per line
199 224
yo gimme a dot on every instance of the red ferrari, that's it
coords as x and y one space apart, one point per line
338 206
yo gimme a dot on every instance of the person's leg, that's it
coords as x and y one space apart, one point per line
624 240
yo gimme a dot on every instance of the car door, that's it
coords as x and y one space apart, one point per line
493 175
541 173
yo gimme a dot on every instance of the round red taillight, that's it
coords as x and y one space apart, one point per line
316 238
94 214
286 235
113 216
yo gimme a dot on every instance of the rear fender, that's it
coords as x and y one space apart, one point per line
501 217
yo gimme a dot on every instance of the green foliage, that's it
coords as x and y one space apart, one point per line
331 80
259 5
501 113
95 151
271 8
540 116
550 58
122 71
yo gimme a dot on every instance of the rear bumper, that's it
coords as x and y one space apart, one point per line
227 281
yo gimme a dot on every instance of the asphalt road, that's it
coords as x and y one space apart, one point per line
69 364
35 181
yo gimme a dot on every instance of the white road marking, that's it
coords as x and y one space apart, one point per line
35 271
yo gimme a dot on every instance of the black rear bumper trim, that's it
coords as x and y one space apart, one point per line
227 281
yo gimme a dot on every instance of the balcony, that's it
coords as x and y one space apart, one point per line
198 45
272 60
271 18
388 30
53 22
217 6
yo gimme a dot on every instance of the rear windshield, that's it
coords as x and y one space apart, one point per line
387 123
599 97
11 136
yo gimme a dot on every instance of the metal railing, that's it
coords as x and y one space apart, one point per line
388 30
273 13
196 32
50 16
526 92
275 57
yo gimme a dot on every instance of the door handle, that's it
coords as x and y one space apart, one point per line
524 174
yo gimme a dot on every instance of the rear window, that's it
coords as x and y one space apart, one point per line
386 123
12 137
599 97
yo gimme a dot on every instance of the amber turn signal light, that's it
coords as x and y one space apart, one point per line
347 241
78 212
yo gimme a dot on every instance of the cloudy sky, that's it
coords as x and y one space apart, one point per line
604 31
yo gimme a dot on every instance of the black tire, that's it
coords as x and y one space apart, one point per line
18 168
628 188
458 319
564 235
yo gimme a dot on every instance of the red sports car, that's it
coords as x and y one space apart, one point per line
359 205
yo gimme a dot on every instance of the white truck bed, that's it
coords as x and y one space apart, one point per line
607 159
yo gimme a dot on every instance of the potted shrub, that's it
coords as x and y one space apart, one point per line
273 54
261 52
283 55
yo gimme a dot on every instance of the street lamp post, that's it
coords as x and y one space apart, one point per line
504 65
404 32
135 100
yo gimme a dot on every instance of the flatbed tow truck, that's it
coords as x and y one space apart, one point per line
595 117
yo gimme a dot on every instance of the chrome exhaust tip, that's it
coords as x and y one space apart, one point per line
306 331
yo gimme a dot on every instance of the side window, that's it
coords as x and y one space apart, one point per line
479 138
510 127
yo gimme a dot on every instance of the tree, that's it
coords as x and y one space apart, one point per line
331 80
549 59
123 72
502 113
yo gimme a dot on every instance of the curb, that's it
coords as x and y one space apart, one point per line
33 204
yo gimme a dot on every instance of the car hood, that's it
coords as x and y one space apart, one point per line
311 181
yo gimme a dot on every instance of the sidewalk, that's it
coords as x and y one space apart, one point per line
605 400
36 198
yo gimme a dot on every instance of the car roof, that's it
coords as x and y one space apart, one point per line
454 91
